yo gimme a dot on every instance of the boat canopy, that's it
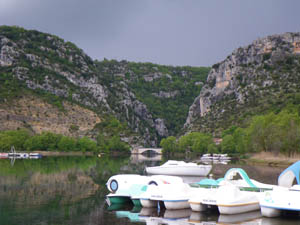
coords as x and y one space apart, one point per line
287 177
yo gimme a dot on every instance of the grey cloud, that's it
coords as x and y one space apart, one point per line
176 32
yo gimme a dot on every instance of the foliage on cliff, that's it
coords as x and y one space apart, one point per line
166 91
277 133
260 78
152 100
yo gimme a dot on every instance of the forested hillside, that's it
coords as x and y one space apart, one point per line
143 102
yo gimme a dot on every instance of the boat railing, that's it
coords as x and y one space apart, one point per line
253 189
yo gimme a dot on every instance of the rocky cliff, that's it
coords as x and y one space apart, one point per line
152 100
259 77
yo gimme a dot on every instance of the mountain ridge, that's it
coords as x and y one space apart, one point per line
261 76
152 100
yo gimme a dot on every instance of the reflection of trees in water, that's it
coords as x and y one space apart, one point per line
68 190
80 212
107 167
45 165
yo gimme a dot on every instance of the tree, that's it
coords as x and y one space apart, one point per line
33 143
49 141
115 144
240 140
228 145
67 144
102 143
14 138
201 143
169 145
85 144
212 148
195 141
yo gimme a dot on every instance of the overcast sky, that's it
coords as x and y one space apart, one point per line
172 32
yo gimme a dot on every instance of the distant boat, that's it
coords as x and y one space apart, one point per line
3 155
215 158
180 168
18 155
22 155
34 155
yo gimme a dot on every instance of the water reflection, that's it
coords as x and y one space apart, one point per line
139 158
71 190
152 216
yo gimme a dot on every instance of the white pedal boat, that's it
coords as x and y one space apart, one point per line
126 187
286 197
166 191
231 196
180 168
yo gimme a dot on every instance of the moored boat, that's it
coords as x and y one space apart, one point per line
231 200
180 168
274 202
158 188
286 196
3 155
230 196
35 155
125 186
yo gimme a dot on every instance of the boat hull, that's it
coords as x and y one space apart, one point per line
198 206
148 203
238 208
180 171
177 204
270 212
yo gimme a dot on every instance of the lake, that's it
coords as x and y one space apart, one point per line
71 190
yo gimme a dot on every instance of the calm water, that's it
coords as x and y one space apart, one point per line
71 190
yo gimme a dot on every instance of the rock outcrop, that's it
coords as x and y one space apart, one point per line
46 63
248 77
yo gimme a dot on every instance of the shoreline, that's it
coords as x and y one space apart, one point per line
48 153
55 153
270 159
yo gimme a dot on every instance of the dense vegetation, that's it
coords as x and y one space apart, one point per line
271 132
47 141
277 133
195 142
183 84
109 136
137 94
167 91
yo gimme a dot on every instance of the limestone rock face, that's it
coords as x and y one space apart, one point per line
161 127
249 71
39 116
47 64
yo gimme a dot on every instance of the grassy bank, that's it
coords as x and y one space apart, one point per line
267 158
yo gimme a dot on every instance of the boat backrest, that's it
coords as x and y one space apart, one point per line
233 171
287 177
